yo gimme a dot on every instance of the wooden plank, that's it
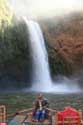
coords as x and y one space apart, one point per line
29 120
20 117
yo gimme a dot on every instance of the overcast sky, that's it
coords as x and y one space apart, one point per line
34 8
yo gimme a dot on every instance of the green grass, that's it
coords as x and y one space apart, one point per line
19 101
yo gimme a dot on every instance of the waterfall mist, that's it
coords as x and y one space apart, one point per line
45 8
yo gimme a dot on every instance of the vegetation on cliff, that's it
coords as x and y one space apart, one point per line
15 59
5 14
15 62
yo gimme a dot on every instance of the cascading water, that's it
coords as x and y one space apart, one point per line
41 79
41 74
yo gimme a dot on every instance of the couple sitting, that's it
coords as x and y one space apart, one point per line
40 111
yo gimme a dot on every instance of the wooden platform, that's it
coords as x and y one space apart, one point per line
69 116
25 120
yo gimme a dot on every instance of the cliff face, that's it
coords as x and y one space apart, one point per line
64 38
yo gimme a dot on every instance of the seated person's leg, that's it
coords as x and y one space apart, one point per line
37 115
43 115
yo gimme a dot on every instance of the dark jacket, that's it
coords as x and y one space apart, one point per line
44 103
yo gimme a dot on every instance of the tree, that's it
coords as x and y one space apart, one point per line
5 13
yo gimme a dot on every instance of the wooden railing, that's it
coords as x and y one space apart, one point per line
2 114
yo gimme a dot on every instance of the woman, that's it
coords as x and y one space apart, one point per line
40 110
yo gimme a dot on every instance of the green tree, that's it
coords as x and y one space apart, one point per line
5 13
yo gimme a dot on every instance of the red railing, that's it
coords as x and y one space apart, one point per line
69 117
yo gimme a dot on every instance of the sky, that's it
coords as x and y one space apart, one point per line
43 8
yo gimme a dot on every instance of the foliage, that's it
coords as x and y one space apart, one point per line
5 13
15 59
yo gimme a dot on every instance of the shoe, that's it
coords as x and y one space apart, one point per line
41 121
34 120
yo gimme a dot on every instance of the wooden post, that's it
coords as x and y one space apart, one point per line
56 118
3 113
80 120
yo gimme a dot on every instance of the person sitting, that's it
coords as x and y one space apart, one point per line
40 110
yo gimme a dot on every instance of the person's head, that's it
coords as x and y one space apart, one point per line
40 96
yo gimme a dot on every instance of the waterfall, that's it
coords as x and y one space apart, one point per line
41 79
41 75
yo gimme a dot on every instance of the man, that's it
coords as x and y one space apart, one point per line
40 110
